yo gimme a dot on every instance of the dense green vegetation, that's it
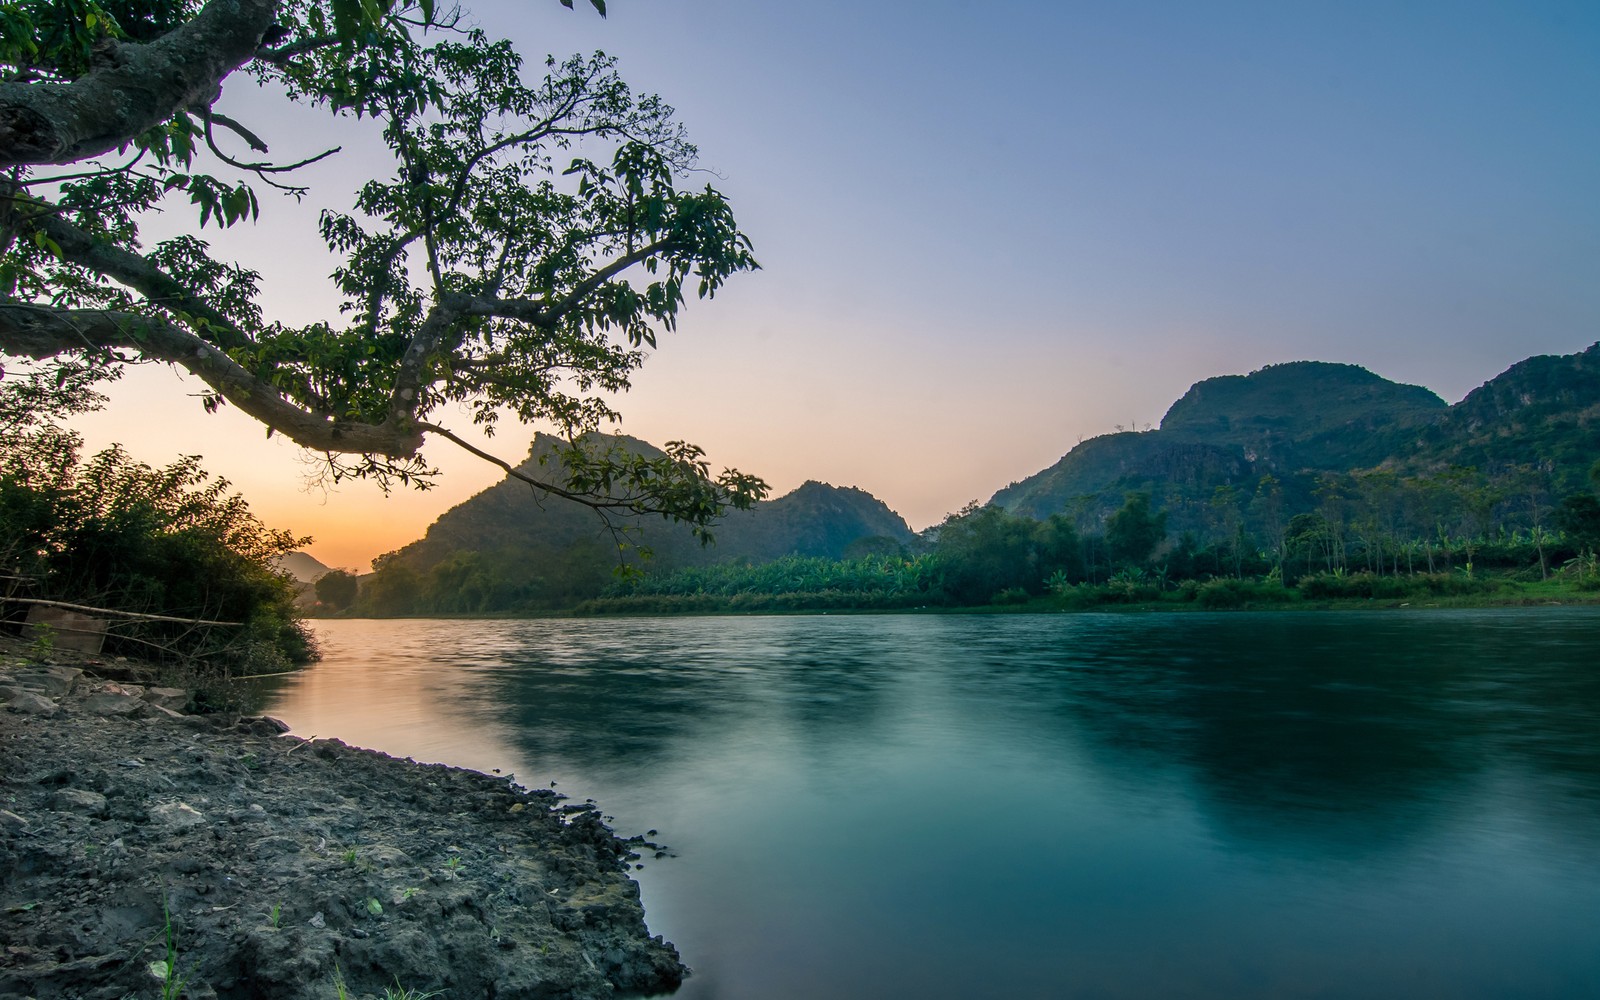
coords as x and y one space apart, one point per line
109 532
1344 552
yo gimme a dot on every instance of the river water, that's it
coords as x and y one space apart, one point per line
1384 804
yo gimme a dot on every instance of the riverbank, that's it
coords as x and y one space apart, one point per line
142 849
1103 600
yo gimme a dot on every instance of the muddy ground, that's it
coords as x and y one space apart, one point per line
285 869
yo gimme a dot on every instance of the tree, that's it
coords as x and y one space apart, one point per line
1578 517
984 550
1133 532
336 589
1268 508
528 242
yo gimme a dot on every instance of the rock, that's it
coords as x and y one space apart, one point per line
29 703
111 705
53 682
78 800
176 816
174 699
11 821
64 629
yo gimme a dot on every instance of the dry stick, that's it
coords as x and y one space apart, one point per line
122 614
303 741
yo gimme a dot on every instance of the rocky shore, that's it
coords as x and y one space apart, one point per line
151 853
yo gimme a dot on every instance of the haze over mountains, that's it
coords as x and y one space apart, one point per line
1294 422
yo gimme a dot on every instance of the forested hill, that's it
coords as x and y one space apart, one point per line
510 546
1302 421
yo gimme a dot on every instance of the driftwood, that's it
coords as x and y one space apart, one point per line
119 614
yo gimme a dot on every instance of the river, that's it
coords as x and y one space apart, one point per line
1362 804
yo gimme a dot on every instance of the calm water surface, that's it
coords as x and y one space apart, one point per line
1288 805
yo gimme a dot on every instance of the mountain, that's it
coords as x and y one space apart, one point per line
1299 420
1304 413
303 567
512 518
1544 411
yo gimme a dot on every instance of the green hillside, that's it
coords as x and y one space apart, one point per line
512 547
1544 411
1298 423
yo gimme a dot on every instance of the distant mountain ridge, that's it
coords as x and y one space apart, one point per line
1293 421
1297 423
303 566
815 519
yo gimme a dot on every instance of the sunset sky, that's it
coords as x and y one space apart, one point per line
991 230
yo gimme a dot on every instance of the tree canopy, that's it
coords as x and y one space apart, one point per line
530 238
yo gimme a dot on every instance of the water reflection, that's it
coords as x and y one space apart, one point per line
1201 805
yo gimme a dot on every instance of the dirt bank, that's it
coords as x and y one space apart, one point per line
284 868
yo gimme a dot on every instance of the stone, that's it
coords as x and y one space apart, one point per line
79 800
29 703
64 629
176 815
175 699
113 705
52 682
11 821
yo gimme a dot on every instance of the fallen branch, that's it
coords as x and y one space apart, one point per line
120 614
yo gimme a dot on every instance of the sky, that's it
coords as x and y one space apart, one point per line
989 231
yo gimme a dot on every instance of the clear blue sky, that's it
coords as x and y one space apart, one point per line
990 230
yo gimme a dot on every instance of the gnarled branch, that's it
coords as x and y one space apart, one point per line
137 88
42 332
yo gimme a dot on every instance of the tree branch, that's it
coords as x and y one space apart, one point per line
547 313
40 332
137 88
631 504
134 271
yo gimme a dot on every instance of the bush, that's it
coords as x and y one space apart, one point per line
1228 592
1369 586
121 535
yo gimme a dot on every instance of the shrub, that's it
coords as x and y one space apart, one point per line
118 534
1232 593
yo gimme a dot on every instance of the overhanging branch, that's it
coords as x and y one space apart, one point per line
137 88
40 332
